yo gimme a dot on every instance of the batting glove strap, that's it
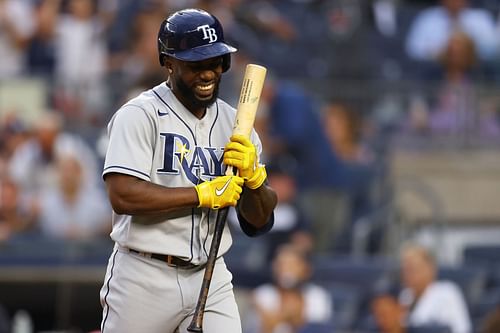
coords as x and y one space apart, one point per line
220 192
258 178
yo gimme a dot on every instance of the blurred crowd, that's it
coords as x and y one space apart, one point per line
348 81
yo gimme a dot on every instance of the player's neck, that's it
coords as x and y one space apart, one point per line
198 112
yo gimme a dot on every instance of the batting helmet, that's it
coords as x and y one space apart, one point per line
193 35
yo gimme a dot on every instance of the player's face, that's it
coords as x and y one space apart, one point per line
196 84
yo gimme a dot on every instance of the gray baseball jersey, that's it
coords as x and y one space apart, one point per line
155 138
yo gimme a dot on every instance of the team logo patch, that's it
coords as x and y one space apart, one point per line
208 33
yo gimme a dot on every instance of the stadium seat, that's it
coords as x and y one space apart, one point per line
486 257
364 274
317 328
429 329
482 254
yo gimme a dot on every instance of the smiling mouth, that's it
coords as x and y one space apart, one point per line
205 90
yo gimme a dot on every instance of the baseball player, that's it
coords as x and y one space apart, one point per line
164 172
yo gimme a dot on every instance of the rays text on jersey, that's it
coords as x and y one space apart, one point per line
197 163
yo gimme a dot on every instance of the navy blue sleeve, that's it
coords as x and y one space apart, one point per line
252 231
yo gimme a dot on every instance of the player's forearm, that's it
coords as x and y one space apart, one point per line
133 196
256 206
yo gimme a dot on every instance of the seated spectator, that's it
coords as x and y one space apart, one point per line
294 127
14 216
343 128
291 301
33 163
433 27
74 208
427 300
457 109
13 133
140 63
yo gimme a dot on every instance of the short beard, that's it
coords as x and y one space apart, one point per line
190 97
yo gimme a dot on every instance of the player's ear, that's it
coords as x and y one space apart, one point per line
168 65
166 62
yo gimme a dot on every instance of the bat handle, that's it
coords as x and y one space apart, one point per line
196 324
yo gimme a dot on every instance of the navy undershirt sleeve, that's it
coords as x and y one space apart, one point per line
252 231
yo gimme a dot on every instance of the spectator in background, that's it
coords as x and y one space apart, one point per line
41 51
294 126
265 18
13 133
33 164
140 63
433 27
73 208
427 300
14 217
81 62
343 126
16 29
457 109
291 301
354 174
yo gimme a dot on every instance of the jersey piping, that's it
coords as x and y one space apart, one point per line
107 292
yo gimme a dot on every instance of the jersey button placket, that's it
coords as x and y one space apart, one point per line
200 131
202 139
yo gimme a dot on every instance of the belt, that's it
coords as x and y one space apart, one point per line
171 261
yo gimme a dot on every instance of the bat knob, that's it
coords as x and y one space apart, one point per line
194 328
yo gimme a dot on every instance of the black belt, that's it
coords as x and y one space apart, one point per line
168 259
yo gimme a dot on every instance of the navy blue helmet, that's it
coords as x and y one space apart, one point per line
193 35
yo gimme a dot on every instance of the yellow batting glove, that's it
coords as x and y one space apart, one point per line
242 154
258 178
220 192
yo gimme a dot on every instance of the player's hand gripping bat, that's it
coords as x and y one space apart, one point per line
251 89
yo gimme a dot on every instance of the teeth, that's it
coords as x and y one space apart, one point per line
205 87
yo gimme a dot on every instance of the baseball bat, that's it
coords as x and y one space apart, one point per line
251 89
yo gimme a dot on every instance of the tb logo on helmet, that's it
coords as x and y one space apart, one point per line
208 33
